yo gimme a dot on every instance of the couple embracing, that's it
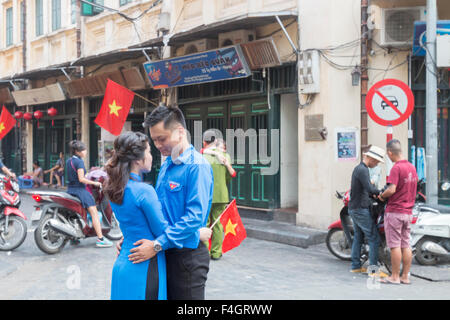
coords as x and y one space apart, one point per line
161 255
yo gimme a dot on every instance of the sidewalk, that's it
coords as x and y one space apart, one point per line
283 232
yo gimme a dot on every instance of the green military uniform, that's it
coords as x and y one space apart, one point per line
220 200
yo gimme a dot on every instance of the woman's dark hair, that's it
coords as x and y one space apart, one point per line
128 147
36 162
170 116
76 146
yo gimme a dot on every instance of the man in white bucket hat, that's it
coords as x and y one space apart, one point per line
361 192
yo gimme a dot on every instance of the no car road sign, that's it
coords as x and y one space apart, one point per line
389 102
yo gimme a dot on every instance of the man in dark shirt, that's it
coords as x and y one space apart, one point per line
358 208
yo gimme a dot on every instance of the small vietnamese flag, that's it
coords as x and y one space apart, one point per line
234 231
7 122
115 107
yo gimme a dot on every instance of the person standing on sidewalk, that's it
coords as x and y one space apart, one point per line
359 209
401 193
222 171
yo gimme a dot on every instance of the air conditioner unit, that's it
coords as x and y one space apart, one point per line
397 28
199 45
235 37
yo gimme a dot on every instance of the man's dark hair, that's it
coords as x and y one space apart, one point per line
170 116
394 146
210 136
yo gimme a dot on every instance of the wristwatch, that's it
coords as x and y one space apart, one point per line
157 246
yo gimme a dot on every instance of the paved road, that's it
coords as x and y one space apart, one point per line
256 270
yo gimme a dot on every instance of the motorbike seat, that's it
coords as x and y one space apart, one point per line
70 197
54 194
441 208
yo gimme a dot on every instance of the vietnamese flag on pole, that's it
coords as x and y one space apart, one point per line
7 122
234 231
115 107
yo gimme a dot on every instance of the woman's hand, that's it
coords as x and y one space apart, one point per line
205 234
98 184
119 246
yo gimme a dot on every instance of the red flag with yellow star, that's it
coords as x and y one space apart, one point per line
7 122
115 107
234 231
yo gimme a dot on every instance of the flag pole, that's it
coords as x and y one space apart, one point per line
212 226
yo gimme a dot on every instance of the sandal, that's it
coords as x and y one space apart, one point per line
388 281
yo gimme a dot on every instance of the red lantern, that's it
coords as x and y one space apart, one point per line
28 116
52 112
18 115
38 114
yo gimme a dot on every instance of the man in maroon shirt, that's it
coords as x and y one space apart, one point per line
401 193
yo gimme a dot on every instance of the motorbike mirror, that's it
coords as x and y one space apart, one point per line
445 186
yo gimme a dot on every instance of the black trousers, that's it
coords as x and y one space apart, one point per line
187 271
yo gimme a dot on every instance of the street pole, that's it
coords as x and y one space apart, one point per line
431 106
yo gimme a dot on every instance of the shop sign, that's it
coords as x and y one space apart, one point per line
215 65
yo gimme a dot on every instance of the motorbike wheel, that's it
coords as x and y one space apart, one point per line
338 245
47 240
114 233
17 232
424 257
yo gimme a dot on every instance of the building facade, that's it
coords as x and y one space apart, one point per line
60 53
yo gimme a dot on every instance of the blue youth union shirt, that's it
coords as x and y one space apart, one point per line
184 188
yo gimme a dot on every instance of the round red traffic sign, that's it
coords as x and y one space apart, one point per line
389 102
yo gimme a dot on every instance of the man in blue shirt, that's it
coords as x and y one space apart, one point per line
184 188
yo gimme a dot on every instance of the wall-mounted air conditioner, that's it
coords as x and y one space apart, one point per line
397 25
235 37
199 45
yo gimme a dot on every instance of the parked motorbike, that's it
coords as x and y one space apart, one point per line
340 233
13 228
430 236
59 217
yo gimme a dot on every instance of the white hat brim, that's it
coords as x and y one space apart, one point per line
374 156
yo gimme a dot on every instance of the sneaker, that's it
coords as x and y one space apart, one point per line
379 274
105 243
360 270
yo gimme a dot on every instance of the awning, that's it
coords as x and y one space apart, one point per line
130 78
110 57
42 73
245 21
50 93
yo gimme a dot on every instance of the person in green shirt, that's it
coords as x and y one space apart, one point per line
214 152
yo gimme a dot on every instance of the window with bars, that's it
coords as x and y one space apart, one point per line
39 17
281 78
9 26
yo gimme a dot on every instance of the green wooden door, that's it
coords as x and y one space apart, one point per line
245 118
